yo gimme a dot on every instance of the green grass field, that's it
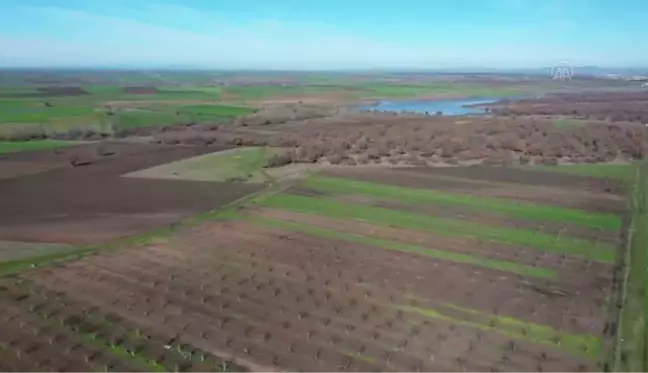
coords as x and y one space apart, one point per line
506 266
102 109
260 91
517 209
19 146
450 89
623 172
241 165
632 339
597 251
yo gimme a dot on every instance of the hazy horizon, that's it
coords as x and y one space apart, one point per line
325 36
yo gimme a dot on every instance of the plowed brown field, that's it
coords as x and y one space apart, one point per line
273 287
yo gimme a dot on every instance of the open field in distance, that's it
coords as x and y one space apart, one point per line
504 283
229 221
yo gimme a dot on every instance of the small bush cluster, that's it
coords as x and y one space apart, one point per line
499 140
283 113
608 106
370 138
279 159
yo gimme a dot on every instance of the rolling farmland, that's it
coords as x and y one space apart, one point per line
406 272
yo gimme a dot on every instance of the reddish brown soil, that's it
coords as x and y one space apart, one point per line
11 169
140 90
374 263
110 156
44 330
277 300
488 218
62 91
91 204
463 183
591 274
49 91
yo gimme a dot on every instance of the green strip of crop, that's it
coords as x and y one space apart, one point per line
511 267
623 172
631 350
597 251
538 333
580 344
20 146
517 209
360 357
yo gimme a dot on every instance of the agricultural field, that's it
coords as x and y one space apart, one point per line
19 146
105 110
34 118
37 104
204 221
45 199
235 165
352 268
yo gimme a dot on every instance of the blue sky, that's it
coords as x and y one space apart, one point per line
323 34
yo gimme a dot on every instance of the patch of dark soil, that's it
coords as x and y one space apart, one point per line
140 90
526 177
488 218
567 197
74 198
302 191
63 91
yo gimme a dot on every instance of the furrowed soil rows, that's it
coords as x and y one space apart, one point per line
570 267
567 197
525 177
274 290
118 346
484 217
45 345
241 308
333 259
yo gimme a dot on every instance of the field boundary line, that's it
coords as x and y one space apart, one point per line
513 208
625 358
438 254
599 252
222 212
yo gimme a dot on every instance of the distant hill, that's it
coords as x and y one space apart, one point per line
544 71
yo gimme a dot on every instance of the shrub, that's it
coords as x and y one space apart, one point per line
334 159
279 160
349 162
550 161
25 134
362 159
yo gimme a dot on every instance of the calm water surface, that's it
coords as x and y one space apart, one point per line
447 107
